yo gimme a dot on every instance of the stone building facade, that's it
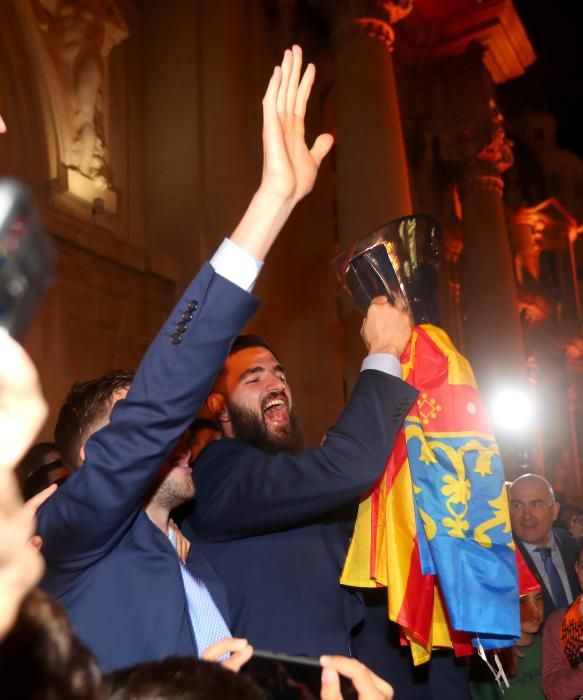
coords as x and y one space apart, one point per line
136 125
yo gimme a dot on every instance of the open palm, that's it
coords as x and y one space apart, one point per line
289 166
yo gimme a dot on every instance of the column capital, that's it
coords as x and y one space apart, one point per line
443 29
372 17
480 151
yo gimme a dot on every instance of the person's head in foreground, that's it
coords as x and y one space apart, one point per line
179 678
42 658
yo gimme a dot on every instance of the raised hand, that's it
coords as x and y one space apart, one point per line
289 166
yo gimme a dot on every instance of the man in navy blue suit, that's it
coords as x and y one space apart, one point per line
111 553
275 519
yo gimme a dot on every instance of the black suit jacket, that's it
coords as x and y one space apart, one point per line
567 546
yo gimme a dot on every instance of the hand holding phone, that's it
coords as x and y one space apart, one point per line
285 677
231 652
366 684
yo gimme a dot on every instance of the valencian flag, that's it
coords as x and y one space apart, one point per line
436 529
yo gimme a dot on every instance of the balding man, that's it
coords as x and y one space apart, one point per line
548 551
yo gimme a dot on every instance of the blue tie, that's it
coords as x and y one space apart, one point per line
557 590
207 622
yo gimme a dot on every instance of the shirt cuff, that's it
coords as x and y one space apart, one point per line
383 362
236 265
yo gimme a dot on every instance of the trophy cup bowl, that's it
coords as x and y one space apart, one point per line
398 260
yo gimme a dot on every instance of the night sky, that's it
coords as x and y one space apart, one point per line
555 82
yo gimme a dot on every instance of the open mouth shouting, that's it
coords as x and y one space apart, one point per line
275 408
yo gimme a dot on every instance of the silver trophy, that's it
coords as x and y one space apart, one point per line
399 260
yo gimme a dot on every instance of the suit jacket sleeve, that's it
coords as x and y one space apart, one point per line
96 505
568 547
241 490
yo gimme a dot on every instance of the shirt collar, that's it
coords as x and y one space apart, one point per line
531 548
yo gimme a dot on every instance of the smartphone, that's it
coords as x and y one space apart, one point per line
27 259
285 677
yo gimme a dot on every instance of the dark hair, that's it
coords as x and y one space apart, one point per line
34 459
86 406
43 477
568 510
242 342
204 424
42 658
179 678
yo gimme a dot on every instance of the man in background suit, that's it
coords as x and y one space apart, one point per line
106 531
548 551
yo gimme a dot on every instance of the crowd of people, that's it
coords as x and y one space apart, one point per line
542 663
178 523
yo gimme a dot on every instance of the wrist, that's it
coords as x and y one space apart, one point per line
384 350
262 222
272 196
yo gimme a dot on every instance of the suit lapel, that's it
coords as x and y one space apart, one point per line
155 545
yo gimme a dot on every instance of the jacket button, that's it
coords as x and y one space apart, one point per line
396 417
192 305
181 327
186 317
176 338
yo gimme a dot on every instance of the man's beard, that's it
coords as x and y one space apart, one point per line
172 493
252 429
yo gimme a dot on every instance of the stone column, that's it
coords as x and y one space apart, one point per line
373 176
451 295
492 330
372 172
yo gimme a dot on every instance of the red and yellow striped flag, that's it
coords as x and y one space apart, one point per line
385 549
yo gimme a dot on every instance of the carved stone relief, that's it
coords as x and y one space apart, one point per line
76 37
